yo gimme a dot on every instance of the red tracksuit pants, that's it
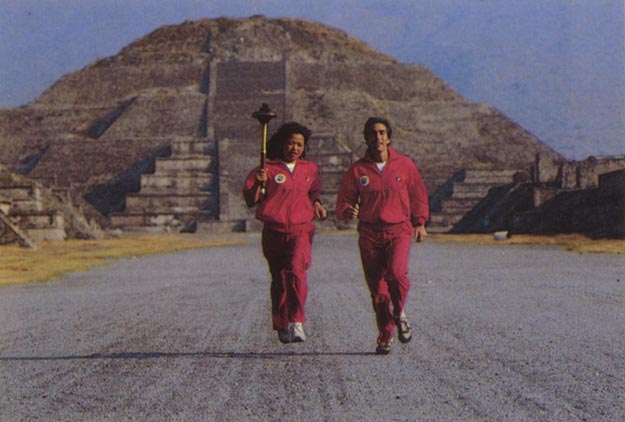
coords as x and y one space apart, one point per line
384 252
288 256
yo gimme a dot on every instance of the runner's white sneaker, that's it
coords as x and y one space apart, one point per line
297 331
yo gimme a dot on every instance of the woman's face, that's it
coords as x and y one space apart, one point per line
293 148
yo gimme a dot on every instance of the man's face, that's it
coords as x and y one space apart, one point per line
293 148
377 138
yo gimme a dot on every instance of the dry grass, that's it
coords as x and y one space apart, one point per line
53 259
569 242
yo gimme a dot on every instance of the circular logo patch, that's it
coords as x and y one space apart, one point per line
364 180
280 178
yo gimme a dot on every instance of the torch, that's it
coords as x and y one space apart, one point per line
263 115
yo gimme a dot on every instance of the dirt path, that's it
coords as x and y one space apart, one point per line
514 333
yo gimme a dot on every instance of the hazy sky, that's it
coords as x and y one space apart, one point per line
556 67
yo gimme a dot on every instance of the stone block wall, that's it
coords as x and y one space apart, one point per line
586 174
596 212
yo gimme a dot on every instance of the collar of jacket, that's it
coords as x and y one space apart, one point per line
279 162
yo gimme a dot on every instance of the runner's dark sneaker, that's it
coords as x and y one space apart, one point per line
297 332
384 347
284 336
403 329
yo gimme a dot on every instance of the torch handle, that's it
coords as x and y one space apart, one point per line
263 115
263 146
263 152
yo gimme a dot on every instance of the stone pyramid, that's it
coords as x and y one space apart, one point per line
95 131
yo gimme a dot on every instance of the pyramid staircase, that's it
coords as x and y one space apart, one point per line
182 191
333 158
450 203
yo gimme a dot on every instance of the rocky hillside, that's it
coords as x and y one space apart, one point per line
107 119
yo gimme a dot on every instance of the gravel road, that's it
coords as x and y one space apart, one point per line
513 333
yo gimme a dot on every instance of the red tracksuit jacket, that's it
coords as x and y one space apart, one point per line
287 204
395 195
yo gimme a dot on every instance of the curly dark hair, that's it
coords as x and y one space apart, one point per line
284 132
372 121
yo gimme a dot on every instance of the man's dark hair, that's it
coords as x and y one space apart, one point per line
284 132
372 121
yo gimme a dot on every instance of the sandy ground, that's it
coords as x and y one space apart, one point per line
500 333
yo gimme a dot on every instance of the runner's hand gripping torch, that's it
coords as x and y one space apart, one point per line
263 115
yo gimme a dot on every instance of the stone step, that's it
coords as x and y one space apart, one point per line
328 198
445 219
46 234
45 220
439 229
339 225
332 180
215 226
470 190
333 168
495 177
183 183
322 142
331 161
158 219
458 205
144 230
20 192
191 147
26 206
199 163
331 224
169 203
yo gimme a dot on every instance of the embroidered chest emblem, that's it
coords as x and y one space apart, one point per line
364 180
280 178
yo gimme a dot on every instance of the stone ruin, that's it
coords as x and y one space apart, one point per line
556 197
